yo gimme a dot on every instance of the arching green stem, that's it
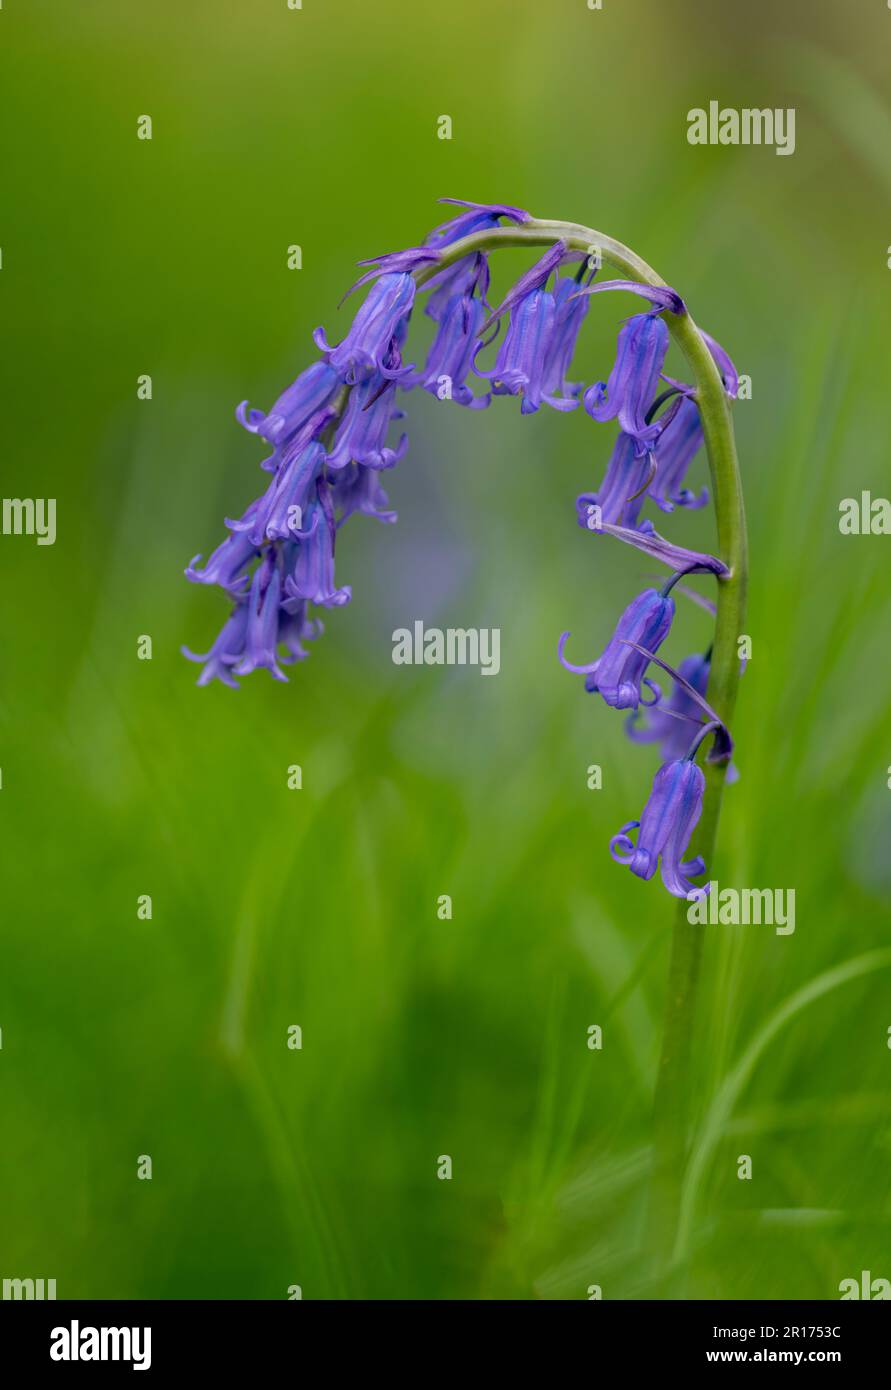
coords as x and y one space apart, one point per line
672 1085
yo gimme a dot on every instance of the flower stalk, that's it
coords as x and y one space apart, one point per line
671 1104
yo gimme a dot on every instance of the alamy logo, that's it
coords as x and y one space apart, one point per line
713 906
864 515
30 516
29 1288
865 1287
729 126
456 646
76 1343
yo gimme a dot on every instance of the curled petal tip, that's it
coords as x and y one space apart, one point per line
567 665
494 209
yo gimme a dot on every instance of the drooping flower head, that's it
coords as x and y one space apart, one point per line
261 634
570 312
226 651
278 514
451 354
522 358
362 433
642 345
522 363
330 437
633 381
359 489
622 493
226 566
678 442
309 560
367 347
666 826
295 407
620 672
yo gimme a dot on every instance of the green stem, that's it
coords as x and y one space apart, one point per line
672 1084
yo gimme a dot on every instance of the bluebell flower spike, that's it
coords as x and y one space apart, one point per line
332 435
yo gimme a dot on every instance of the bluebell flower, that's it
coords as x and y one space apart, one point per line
672 722
226 565
666 826
362 433
622 493
261 635
722 742
675 721
451 354
520 366
359 489
295 407
632 383
226 651
470 273
367 347
309 561
571 310
469 276
294 628
620 672
678 442
278 514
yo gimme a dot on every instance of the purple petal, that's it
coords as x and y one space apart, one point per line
477 216
674 556
567 665
723 741
494 209
533 279
395 262
725 364
659 295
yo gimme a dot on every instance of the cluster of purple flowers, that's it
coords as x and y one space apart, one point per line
660 433
330 436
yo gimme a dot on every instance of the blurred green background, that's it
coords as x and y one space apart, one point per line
272 907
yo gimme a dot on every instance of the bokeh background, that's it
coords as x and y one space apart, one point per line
273 907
